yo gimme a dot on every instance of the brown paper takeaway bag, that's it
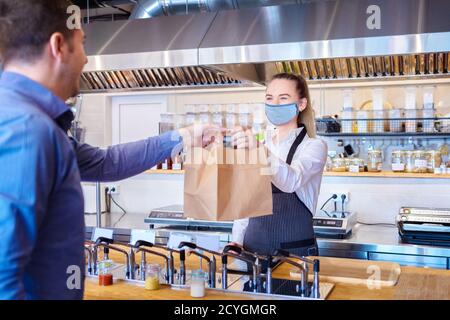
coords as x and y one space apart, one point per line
223 184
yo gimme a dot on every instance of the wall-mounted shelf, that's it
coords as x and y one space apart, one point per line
439 135
387 174
409 128
164 172
383 174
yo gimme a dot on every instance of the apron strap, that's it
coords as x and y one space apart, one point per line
291 153
296 143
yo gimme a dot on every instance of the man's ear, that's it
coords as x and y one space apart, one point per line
302 104
57 45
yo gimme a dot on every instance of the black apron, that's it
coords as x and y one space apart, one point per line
290 227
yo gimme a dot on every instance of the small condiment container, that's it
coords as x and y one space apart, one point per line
398 161
434 160
152 277
356 165
198 278
409 162
420 161
339 165
105 277
375 161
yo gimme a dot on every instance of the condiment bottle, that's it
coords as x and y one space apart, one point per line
198 284
152 277
105 277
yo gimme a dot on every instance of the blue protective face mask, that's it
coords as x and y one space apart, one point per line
282 113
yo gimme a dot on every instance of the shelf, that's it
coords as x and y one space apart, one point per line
383 174
439 135
164 172
387 174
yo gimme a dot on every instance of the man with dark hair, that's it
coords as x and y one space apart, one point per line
41 202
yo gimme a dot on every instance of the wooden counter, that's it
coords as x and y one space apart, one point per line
414 283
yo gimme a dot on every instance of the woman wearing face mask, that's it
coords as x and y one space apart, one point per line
297 161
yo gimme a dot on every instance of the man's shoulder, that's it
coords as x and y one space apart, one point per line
18 110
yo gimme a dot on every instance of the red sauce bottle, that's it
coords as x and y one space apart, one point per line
105 279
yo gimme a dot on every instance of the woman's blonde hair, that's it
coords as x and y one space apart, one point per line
306 117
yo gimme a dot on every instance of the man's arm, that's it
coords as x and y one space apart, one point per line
124 160
26 179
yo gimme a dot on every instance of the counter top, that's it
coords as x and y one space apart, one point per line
413 283
367 238
380 238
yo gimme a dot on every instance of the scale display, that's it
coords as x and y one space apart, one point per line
327 223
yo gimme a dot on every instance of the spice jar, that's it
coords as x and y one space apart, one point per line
420 161
398 161
105 277
356 165
409 162
375 161
152 277
339 165
434 160
198 283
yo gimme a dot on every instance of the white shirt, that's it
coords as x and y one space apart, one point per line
303 176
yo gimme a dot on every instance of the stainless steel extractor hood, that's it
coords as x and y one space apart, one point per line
328 40
331 40
149 53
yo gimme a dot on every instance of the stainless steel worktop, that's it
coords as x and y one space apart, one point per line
381 238
373 242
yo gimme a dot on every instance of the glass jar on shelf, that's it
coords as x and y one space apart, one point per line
347 121
398 161
204 115
374 161
217 115
428 120
395 120
411 120
230 116
190 118
355 165
339 165
434 160
409 162
259 122
167 124
362 121
420 161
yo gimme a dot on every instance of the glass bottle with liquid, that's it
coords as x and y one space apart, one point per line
375 161
190 115
230 116
259 123
180 122
217 115
204 115
244 116
169 125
